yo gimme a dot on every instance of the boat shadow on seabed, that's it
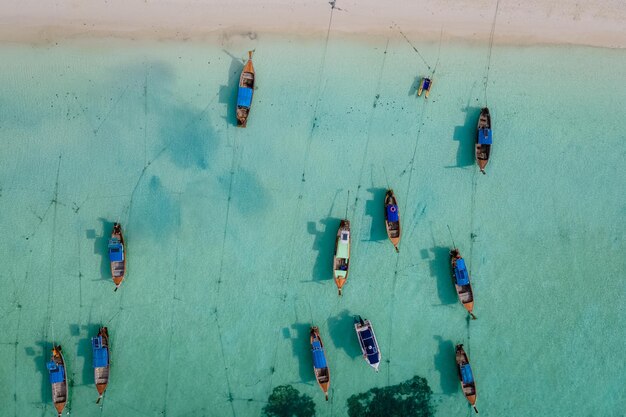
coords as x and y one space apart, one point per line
466 136
301 349
323 244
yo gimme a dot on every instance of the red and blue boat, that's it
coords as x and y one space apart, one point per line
117 255
484 139
462 284
245 92
58 379
392 219
320 367
466 376
101 361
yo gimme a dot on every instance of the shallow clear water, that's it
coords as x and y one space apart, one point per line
230 232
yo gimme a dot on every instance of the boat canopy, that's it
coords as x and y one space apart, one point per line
392 212
100 353
369 345
485 136
343 245
96 342
460 272
244 98
426 83
319 360
373 358
466 374
116 250
57 372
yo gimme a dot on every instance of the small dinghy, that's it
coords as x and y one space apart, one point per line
367 341
246 90
117 255
462 283
392 219
466 376
322 374
425 85
58 379
101 358
341 260
484 139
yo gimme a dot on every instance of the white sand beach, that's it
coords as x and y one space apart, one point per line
600 23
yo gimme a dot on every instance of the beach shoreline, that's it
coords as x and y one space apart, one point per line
497 22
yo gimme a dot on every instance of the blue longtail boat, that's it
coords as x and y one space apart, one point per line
466 376
367 341
320 367
245 92
101 360
117 255
392 219
58 379
484 139
462 284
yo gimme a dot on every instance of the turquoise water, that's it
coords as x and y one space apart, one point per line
230 232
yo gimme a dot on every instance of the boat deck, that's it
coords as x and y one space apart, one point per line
118 269
101 375
59 392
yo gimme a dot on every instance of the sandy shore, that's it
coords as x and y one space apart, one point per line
598 23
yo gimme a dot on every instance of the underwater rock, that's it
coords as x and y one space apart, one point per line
408 399
286 401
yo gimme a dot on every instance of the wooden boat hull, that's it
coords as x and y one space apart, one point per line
483 150
469 389
118 269
465 293
341 260
101 374
394 231
322 375
246 80
59 389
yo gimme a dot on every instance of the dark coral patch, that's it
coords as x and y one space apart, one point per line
286 401
408 399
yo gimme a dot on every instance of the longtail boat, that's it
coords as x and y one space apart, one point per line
466 376
101 360
117 255
425 85
392 219
246 90
462 284
367 341
341 260
320 367
58 379
484 139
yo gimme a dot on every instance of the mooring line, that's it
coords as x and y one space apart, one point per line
488 64
412 46
369 127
